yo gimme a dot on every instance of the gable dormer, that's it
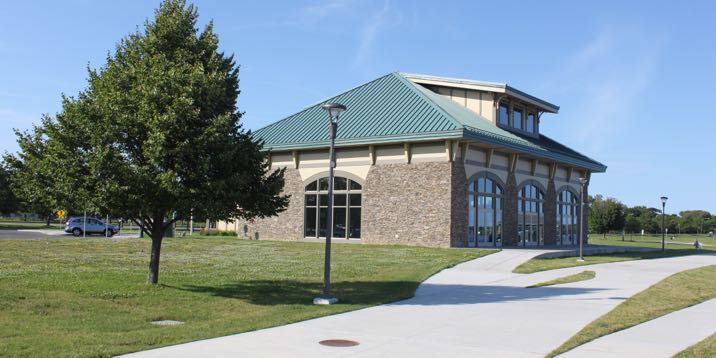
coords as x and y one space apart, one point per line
498 103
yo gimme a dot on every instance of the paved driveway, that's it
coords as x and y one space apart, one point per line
479 308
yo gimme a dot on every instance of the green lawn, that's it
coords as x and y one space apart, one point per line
705 348
21 225
542 264
89 298
654 241
676 292
672 249
582 276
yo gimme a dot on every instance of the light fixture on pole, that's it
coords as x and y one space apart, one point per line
582 181
663 227
334 110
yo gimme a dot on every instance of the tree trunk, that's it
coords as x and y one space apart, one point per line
154 260
49 219
157 235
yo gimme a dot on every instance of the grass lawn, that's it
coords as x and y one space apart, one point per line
705 348
654 241
675 292
672 249
21 225
88 297
582 276
540 264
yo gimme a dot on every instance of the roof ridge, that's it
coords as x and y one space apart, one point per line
321 101
422 95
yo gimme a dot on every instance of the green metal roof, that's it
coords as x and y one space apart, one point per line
393 109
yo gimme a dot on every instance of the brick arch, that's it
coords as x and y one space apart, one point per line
336 173
568 188
489 175
533 182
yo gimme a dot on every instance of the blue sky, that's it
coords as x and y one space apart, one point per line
635 81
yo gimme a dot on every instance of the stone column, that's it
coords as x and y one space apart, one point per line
459 203
585 226
550 214
509 212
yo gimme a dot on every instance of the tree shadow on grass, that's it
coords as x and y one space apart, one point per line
290 292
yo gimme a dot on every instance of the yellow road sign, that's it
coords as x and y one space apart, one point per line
60 214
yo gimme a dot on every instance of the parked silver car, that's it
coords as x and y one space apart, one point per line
76 226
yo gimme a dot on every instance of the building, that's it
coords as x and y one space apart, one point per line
431 161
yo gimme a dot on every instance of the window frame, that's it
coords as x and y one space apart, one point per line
352 188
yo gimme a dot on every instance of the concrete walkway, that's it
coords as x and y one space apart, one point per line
661 337
479 308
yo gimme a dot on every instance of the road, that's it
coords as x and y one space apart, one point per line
41 234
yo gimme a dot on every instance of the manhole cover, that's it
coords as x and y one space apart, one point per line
166 322
338 343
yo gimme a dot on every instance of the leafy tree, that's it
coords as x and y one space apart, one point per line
29 179
631 224
606 214
156 134
8 201
694 221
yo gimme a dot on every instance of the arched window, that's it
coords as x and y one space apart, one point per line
346 208
567 216
484 212
530 218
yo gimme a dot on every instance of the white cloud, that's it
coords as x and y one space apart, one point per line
326 8
610 74
382 19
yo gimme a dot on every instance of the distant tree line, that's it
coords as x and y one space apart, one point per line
610 215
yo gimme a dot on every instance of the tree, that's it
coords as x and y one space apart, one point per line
606 214
156 134
8 201
29 178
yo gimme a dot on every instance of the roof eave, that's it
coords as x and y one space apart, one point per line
483 86
420 137
558 157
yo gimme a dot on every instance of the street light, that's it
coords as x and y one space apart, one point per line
334 110
583 181
663 227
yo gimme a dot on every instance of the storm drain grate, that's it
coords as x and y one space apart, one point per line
338 343
166 322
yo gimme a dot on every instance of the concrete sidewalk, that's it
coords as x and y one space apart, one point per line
479 308
661 337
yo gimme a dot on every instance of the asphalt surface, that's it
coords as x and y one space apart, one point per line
23 234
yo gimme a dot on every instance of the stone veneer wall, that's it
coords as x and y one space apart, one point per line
288 225
585 226
459 209
550 214
510 235
408 204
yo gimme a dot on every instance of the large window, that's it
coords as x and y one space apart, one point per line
346 208
567 215
503 115
530 218
485 212
517 118
530 123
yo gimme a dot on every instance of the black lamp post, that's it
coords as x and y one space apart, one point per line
334 110
663 226
582 181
